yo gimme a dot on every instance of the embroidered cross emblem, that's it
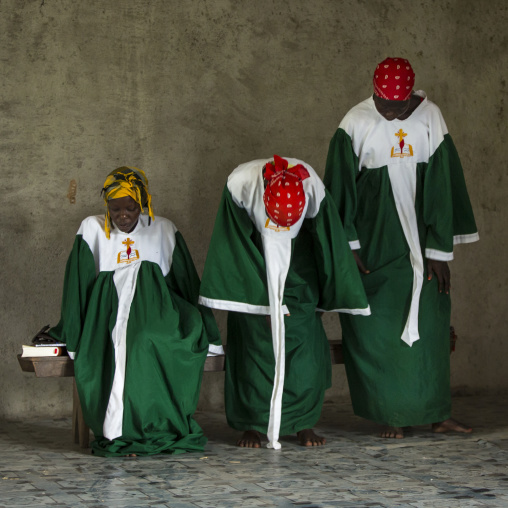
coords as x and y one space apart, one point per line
128 242
403 150
401 135
128 255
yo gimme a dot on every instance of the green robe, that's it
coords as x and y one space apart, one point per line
277 370
400 191
139 339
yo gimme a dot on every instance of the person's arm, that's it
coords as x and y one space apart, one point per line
447 211
78 284
184 280
359 262
234 277
340 286
342 167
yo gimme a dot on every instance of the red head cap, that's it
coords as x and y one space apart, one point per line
394 79
284 197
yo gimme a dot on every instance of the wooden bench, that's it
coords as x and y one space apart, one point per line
60 366
63 366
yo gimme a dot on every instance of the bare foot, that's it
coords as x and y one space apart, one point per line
250 439
307 437
451 425
392 432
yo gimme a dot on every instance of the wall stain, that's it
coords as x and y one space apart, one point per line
72 192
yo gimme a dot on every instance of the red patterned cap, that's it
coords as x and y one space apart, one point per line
394 79
284 197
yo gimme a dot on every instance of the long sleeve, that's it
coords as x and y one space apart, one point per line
340 286
340 180
447 211
234 276
184 280
78 284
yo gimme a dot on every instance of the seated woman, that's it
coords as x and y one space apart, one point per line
132 323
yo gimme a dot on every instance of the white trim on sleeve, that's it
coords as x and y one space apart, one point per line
474 237
214 350
438 255
247 308
355 312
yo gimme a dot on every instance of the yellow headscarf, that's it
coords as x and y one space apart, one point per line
126 181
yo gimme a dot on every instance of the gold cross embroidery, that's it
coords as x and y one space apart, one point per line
401 134
128 242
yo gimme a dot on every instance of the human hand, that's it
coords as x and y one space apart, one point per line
359 262
441 270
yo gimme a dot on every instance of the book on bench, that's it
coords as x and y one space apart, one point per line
46 350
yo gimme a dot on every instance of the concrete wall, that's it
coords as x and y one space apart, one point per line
187 90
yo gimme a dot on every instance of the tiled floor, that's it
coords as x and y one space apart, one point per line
41 467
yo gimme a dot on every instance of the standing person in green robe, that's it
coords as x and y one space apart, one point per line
132 324
277 256
396 179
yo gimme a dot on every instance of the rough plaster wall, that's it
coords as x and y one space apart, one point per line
187 90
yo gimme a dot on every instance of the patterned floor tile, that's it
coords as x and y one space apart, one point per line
41 466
